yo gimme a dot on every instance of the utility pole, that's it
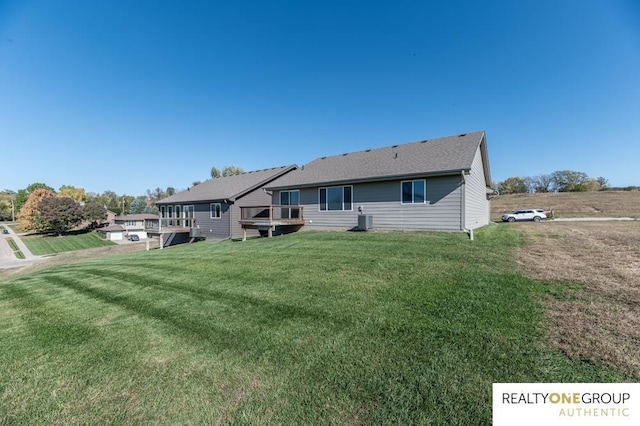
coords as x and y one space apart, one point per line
13 211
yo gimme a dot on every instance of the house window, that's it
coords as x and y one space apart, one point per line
189 213
216 210
290 198
414 191
335 198
163 211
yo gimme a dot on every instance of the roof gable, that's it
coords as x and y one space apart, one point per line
449 154
227 187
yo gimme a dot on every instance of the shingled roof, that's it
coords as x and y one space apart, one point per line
227 187
451 154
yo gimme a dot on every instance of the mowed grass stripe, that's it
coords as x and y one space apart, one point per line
191 315
98 373
50 244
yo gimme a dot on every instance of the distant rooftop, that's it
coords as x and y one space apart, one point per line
227 187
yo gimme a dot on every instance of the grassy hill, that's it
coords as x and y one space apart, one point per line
572 204
311 328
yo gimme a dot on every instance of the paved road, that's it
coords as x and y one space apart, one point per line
7 258
586 219
592 219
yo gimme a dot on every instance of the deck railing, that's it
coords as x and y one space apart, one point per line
277 213
177 222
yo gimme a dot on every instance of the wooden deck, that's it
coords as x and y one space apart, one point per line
177 228
267 218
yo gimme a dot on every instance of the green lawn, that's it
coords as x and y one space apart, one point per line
51 244
310 328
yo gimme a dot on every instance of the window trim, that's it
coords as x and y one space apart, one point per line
413 192
289 191
326 199
212 210
188 208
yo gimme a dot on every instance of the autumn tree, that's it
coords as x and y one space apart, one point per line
59 214
6 204
77 194
27 218
23 194
94 212
110 199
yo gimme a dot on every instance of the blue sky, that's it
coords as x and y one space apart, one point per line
133 95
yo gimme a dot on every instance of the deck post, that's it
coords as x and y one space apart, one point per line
244 233
270 232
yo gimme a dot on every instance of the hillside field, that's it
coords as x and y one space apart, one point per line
572 204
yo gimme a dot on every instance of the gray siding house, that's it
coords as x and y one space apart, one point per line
436 184
213 207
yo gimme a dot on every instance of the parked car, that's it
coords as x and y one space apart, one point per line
133 237
5 231
535 215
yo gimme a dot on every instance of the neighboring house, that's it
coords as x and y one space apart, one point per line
213 207
138 224
112 232
436 184
111 216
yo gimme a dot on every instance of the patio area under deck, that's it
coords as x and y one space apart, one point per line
175 230
267 218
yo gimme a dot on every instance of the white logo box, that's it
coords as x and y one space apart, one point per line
566 404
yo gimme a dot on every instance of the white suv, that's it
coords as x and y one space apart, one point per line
535 215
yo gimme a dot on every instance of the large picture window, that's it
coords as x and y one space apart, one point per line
216 210
414 191
335 198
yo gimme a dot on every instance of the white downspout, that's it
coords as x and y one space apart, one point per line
463 207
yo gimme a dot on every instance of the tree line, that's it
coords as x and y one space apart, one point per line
558 181
39 207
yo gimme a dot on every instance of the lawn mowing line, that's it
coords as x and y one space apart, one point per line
274 312
241 342
45 325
